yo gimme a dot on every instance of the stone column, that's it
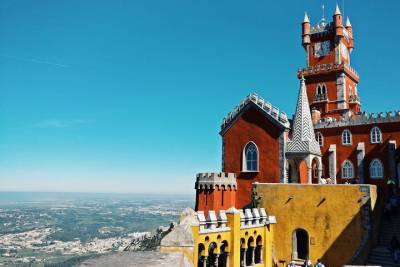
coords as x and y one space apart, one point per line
205 261
216 260
332 163
360 162
392 159
261 254
227 254
244 257
253 256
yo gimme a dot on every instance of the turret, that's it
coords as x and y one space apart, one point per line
306 28
337 19
349 29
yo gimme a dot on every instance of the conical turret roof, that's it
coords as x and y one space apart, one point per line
303 137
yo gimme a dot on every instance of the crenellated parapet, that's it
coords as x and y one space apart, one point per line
210 180
279 117
251 218
359 119
218 221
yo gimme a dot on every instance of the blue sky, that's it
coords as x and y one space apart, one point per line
128 96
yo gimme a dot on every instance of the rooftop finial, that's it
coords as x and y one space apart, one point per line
337 11
348 24
323 12
306 18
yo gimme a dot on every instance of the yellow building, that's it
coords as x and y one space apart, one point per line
334 223
227 239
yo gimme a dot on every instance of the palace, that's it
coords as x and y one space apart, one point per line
330 139
310 187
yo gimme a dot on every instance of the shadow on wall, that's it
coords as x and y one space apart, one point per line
345 240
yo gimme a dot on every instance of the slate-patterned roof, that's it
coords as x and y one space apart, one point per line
303 138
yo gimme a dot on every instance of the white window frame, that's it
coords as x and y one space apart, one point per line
378 138
350 137
346 173
319 138
244 161
376 172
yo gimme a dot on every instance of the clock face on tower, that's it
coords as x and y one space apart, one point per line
322 49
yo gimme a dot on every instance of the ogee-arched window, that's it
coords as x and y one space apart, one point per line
250 157
376 169
347 170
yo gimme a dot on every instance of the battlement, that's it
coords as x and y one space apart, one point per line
265 106
249 218
325 68
359 119
210 180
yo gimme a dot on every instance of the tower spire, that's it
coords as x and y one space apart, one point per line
306 18
337 10
303 140
348 24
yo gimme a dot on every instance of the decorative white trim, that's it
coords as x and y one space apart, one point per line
244 159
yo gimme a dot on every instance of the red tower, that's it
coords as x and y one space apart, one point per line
215 191
331 82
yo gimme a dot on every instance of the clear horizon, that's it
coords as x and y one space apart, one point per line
128 96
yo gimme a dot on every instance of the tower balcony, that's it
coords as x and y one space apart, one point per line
354 99
328 68
320 98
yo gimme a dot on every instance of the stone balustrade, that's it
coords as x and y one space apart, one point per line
218 221
359 119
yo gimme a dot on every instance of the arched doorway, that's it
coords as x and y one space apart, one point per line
300 244
212 257
315 171
201 258
250 252
303 172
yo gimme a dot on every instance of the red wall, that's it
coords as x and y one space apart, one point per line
252 126
360 133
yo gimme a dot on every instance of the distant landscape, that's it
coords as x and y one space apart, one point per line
58 229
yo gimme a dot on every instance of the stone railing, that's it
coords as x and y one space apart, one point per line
212 223
266 106
210 180
217 222
354 99
317 69
250 218
320 97
359 119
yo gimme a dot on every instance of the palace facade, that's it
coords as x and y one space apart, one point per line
330 139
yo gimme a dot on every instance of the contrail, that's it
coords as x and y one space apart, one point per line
33 60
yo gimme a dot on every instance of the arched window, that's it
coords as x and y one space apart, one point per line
376 169
250 158
346 137
376 135
318 90
347 170
319 138
323 89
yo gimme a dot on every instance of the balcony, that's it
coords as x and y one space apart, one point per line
320 98
354 99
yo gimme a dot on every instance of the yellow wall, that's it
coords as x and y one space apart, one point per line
233 237
334 225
